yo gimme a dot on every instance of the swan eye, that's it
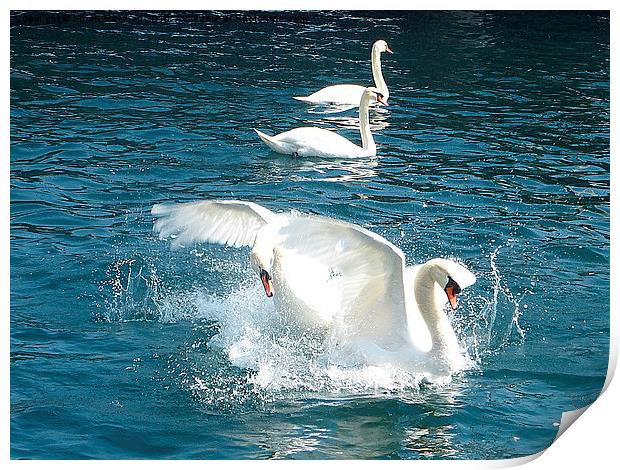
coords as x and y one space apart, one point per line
454 285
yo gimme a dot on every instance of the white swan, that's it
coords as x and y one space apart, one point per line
330 273
350 94
317 142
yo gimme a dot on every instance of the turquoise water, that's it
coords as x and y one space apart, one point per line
494 150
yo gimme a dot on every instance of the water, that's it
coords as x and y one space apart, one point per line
494 150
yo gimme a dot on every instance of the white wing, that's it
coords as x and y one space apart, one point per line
232 223
371 270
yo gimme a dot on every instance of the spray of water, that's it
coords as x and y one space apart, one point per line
494 322
254 352
132 289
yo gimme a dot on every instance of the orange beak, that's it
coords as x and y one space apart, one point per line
381 100
267 284
387 49
451 297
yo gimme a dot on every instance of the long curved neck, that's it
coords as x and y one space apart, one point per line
368 143
445 342
377 74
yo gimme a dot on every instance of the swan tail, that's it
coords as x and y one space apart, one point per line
271 142
265 138
305 99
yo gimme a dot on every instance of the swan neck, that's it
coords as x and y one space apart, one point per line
445 342
368 142
377 74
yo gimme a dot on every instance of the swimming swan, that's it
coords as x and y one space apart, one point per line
338 275
350 94
317 142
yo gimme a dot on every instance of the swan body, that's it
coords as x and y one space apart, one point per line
325 273
317 142
347 94
313 142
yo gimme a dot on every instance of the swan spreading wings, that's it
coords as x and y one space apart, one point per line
332 274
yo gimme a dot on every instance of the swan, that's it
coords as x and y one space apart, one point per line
317 142
337 275
350 94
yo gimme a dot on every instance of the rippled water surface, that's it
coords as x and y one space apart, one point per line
494 150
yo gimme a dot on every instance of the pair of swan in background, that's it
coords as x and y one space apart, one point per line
325 273
317 142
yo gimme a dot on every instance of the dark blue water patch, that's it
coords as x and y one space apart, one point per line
494 150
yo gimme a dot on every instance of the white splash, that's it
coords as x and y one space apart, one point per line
275 355
280 356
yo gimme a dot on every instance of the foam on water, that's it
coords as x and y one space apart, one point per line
263 352
256 338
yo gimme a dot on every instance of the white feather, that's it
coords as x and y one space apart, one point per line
233 223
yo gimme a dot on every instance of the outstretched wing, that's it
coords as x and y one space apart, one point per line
233 223
371 270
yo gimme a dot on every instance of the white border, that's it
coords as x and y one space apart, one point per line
587 444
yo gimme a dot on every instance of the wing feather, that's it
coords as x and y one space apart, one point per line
371 270
233 223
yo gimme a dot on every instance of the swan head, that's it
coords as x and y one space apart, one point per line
261 261
374 93
451 276
382 46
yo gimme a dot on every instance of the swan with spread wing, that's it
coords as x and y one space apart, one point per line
329 273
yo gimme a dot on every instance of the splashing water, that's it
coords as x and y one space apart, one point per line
254 337
252 352
135 289
497 287
482 333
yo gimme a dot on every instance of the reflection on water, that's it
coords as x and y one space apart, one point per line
379 120
292 441
345 170
383 427
431 442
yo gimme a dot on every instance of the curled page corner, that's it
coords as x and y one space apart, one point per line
568 418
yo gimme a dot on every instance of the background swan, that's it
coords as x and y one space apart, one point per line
347 94
317 142
328 273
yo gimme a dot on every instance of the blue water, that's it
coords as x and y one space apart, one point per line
494 150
